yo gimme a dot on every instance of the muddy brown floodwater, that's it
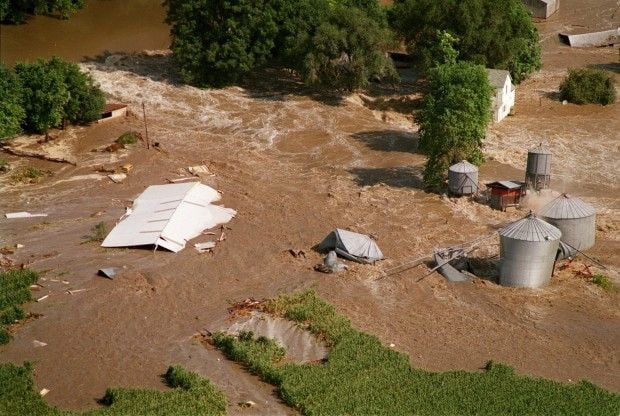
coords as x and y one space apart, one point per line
103 25
296 165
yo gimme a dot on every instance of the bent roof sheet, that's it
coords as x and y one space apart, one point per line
531 228
567 207
169 216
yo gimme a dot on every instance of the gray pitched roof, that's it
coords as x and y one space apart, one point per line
497 77
567 207
531 228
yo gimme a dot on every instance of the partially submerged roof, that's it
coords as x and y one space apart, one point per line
168 216
497 77
584 40
113 107
505 184
532 229
567 207
353 246
463 167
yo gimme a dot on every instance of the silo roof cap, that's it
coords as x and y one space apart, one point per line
463 167
531 228
540 149
567 207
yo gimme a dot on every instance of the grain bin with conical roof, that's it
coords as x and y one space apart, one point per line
575 218
528 248
463 178
538 170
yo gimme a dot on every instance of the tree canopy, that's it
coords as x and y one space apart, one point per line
11 111
16 11
588 85
335 43
496 34
40 95
454 117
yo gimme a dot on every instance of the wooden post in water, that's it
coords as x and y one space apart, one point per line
146 130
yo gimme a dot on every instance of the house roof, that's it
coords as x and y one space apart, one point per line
567 207
497 77
505 184
463 167
168 216
113 107
531 228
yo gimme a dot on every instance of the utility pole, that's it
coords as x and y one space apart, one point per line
146 130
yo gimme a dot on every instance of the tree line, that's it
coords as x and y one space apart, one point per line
16 11
37 96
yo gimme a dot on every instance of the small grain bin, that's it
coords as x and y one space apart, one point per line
463 178
528 248
575 218
538 170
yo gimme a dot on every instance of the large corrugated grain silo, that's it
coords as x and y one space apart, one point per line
528 249
463 178
538 170
575 218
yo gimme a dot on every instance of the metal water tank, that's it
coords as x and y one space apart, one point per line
538 170
463 178
528 249
575 218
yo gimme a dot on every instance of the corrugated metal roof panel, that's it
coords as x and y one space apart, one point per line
463 167
505 184
567 207
531 228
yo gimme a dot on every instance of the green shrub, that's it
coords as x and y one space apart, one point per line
11 110
604 282
14 291
588 86
29 174
363 377
98 233
129 137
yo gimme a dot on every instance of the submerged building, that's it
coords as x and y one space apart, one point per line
542 9
504 94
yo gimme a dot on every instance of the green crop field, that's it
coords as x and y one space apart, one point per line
362 377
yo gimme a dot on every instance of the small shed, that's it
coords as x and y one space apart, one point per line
353 246
112 111
506 194
504 95
542 9
463 178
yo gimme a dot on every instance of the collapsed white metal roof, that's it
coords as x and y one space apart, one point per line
567 207
168 216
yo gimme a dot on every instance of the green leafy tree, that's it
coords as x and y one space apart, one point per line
587 85
454 118
86 100
215 42
346 51
44 95
11 111
16 11
496 34
440 50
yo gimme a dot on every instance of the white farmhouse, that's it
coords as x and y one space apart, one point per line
504 97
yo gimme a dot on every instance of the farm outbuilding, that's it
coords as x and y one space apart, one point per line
528 249
538 169
112 111
542 9
505 194
463 178
575 218
504 95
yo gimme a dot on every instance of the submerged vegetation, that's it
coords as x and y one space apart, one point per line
361 376
604 282
588 86
14 291
190 394
129 137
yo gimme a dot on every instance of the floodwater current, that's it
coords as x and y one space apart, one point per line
102 25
